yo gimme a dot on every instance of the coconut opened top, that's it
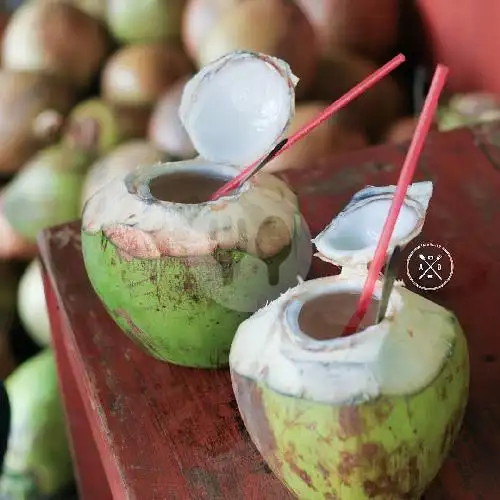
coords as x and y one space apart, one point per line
237 108
351 238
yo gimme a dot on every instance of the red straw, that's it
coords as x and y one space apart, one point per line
356 91
405 178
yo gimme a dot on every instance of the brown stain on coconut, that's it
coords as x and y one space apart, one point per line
402 483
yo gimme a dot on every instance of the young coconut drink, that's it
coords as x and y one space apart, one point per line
179 273
367 416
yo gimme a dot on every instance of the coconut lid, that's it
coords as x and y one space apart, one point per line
352 237
237 108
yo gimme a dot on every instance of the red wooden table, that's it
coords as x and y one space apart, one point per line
142 429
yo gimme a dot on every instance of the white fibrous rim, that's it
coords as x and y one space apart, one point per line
237 108
377 361
144 227
352 237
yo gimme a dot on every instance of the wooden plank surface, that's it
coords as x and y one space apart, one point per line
170 432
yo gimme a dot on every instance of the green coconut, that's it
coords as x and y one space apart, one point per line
38 460
95 127
468 109
368 416
179 273
121 161
131 21
32 306
46 192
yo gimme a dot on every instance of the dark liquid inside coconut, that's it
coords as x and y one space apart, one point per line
325 317
185 187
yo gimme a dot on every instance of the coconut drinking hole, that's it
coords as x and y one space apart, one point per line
324 317
186 187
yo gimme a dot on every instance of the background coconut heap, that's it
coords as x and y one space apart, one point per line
90 89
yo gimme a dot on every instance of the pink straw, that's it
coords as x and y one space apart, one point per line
405 178
356 91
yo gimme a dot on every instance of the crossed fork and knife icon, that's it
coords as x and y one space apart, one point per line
430 267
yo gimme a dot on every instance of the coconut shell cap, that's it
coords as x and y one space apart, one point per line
237 108
351 238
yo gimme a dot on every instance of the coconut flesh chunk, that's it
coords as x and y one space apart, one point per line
237 108
351 238
378 360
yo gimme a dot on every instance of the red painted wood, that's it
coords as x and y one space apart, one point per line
464 35
169 432
90 475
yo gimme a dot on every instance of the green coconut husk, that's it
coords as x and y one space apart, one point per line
95 127
46 192
133 21
38 460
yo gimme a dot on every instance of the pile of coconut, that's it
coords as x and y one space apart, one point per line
90 89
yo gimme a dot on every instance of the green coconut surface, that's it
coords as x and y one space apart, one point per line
45 193
169 306
38 460
135 21
387 449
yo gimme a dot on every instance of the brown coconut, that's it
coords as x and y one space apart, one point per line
198 19
275 27
166 130
23 97
368 27
57 38
137 75
375 110
327 139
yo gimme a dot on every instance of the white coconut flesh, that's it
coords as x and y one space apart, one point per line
399 356
237 108
143 226
351 238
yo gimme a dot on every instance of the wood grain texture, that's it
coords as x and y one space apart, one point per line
170 432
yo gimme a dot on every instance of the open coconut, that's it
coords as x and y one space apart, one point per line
166 130
46 192
137 75
371 415
55 38
38 461
275 27
24 96
32 306
132 21
179 273
119 163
